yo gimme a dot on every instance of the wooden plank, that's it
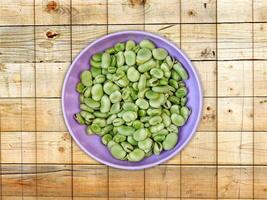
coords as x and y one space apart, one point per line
162 181
235 148
260 10
29 181
199 41
157 11
235 114
176 160
52 12
116 28
50 77
126 183
234 41
17 114
260 41
201 149
83 35
260 148
28 147
54 180
171 32
260 78
207 73
49 115
198 182
235 78
89 12
237 11
53 44
91 198
90 181
80 157
53 147
11 147
11 180
126 12
16 12
260 114
17 80
235 182
117 198
209 115
260 182
198 11
16 44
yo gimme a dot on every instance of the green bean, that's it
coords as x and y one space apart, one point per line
106 129
175 109
97 57
156 73
163 82
141 113
129 116
97 92
123 82
136 155
142 103
120 58
87 92
127 147
147 66
110 50
115 108
159 138
157 148
119 138
92 103
100 114
80 87
170 141
151 94
177 119
115 97
137 124
174 99
173 83
131 140
106 60
106 138
153 112
153 82
100 79
155 120
95 71
175 75
117 151
146 144
86 108
140 134
86 78
118 122
147 44
156 128
132 74
180 70
181 92
163 89
141 93
185 112
130 44
110 144
79 118
95 64
105 104
142 83
130 106
143 55
159 53
130 58
95 128
86 115
172 128
183 101
119 46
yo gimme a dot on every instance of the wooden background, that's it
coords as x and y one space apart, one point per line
225 39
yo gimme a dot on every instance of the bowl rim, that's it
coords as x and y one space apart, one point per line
199 88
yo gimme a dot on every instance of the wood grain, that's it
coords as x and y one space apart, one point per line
199 41
260 113
162 182
16 12
260 41
17 80
52 12
209 115
260 10
89 12
126 183
198 182
157 11
260 182
16 44
50 77
234 41
235 114
235 148
235 182
260 152
260 78
53 44
90 181
239 11
198 11
201 149
235 78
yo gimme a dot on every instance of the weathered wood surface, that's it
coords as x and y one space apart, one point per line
225 39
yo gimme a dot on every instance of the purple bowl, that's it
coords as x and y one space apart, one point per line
92 144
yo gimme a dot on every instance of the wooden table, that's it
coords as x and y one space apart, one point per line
225 39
